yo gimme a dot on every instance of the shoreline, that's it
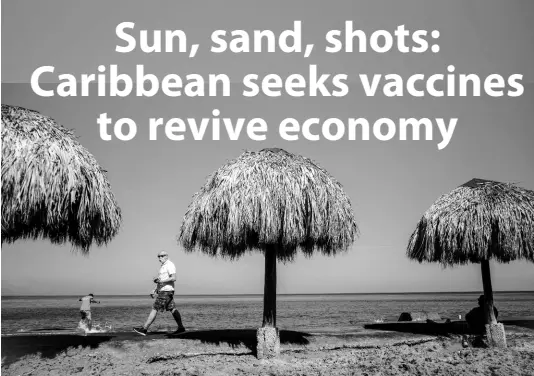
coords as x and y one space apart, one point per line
356 329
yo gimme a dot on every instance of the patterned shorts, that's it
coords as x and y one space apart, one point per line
86 315
164 301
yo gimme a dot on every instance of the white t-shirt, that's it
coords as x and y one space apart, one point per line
165 271
86 303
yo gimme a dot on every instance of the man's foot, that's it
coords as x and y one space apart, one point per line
179 330
140 330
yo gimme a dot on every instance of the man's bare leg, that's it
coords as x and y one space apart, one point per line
151 318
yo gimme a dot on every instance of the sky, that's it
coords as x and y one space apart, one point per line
390 183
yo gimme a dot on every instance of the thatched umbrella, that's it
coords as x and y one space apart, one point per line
51 185
479 221
274 202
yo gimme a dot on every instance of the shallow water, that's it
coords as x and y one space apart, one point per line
312 313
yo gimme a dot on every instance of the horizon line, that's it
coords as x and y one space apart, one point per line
310 294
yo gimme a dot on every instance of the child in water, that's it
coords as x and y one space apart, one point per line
85 311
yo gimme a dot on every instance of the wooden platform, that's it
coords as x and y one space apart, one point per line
443 328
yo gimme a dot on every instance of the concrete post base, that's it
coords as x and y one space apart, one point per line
495 335
268 343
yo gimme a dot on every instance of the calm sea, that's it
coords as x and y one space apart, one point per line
311 313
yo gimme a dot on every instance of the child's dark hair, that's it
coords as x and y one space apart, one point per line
91 295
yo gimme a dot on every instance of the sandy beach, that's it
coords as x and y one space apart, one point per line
231 352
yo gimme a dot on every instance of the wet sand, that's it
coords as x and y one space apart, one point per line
231 352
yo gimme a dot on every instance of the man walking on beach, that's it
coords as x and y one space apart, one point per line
165 292
85 310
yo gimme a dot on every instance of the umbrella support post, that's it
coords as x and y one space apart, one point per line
494 331
496 335
268 343
268 336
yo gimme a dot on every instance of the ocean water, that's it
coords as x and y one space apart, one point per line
309 313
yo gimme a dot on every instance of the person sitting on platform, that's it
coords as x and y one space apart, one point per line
476 317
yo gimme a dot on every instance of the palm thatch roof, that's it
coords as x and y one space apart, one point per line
52 187
267 198
480 220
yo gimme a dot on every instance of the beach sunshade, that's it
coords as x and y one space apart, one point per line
274 202
479 221
52 187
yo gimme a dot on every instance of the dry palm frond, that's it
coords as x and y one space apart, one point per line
269 198
52 187
480 220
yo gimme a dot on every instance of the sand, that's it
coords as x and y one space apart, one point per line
231 353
